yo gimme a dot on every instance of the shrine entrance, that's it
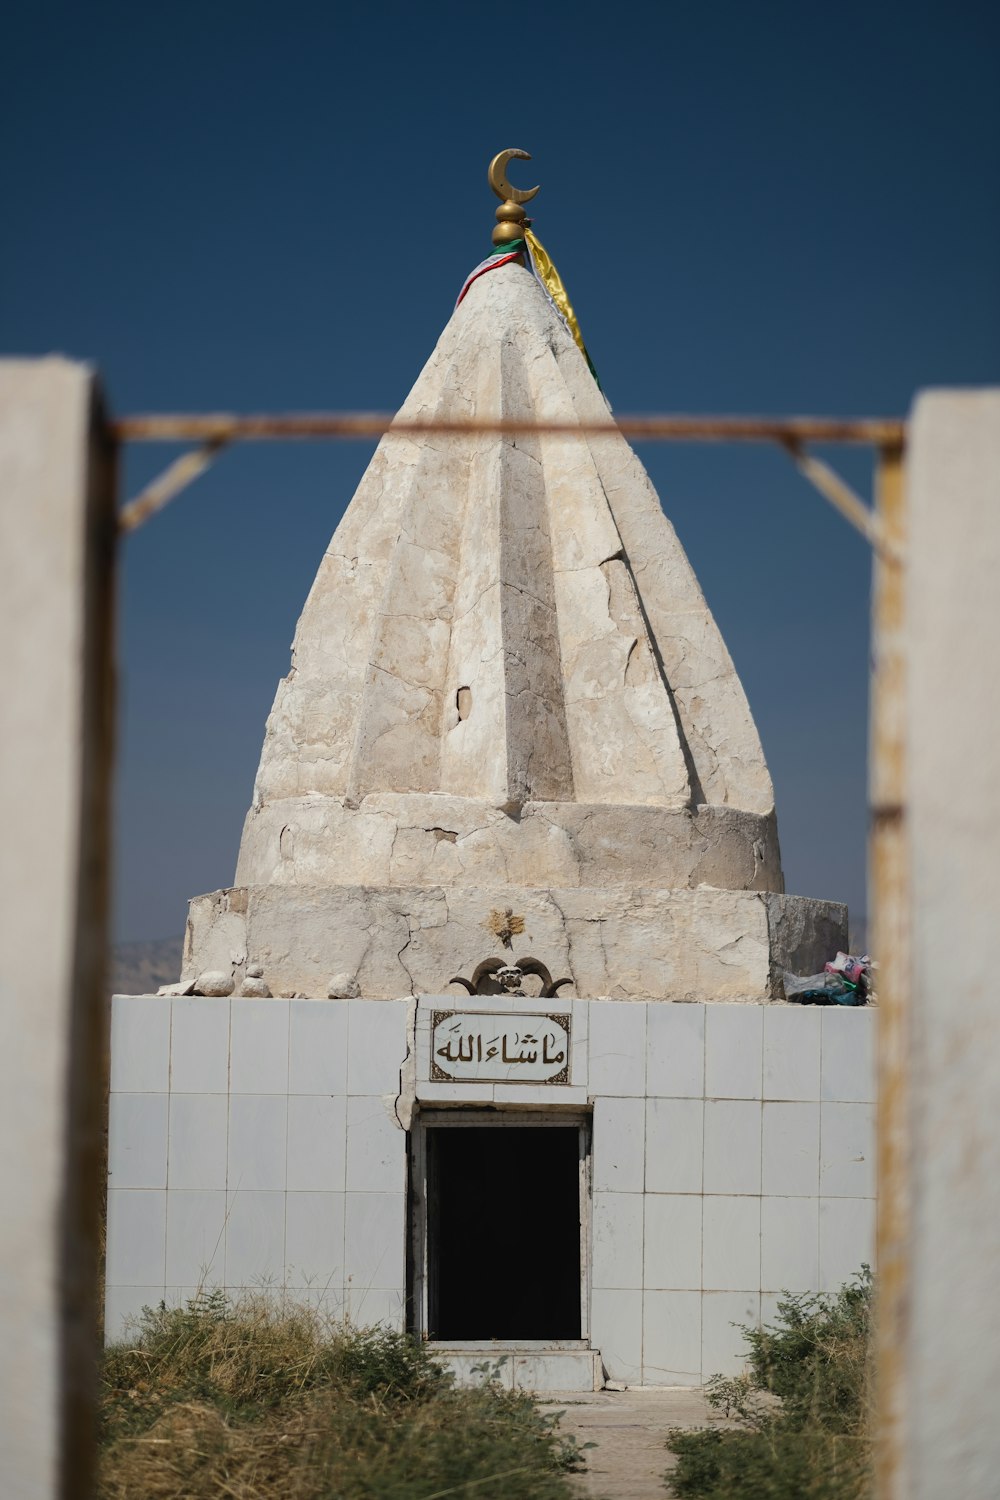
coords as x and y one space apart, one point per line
501 1233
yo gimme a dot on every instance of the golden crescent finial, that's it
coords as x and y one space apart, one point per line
511 218
498 177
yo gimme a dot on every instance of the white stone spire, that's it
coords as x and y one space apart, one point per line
508 695
510 621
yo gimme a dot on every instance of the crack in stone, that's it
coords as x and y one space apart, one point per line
569 940
399 956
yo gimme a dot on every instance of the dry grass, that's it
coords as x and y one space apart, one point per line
258 1401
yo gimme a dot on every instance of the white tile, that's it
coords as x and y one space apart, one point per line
730 1253
255 1239
422 1037
140 1045
733 1040
616 1330
317 1143
548 1096
617 1048
190 1296
675 1051
489 1005
846 1239
196 1238
789 1244
137 1141
619 1129
136 1237
197 1135
616 1228
423 1033
723 1346
123 1306
671 1338
675 1140
579 1070
672 1242
377 1045
847 1150
790 1151
791 1052
732 1146
257 1141
314 1239
376 1148
848 1054
454 1093
769 1308
366 1306
258 1047
326 1301
374 1242
317 1046
199 1045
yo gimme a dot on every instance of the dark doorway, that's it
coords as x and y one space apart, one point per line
503 1232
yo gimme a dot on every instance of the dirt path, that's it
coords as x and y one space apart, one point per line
629 1428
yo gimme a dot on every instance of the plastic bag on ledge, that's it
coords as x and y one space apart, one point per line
823 989
854 970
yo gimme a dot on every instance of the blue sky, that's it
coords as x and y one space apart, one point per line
757 209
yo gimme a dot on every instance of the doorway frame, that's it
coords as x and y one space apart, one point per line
487 1117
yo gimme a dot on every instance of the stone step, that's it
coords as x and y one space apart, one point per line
524 1368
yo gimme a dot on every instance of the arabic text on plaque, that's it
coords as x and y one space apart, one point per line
501 1048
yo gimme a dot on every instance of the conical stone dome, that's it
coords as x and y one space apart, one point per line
507 691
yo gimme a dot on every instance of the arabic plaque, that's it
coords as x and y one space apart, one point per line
499 1048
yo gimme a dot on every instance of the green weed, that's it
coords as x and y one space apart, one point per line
803 1409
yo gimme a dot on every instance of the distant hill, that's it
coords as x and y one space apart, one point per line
140 968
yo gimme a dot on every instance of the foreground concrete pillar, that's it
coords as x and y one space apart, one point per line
57 545
941 1386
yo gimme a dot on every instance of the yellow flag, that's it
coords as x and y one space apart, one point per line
552 282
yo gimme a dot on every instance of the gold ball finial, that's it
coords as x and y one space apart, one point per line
511 218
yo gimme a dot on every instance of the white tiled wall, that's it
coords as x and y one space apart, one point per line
244 1152
748 1171
255 1143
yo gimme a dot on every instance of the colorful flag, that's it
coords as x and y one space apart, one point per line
548 278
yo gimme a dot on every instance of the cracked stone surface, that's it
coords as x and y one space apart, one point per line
394 838
507 620
622 944
507 690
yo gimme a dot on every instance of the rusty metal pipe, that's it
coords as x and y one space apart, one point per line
224 427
